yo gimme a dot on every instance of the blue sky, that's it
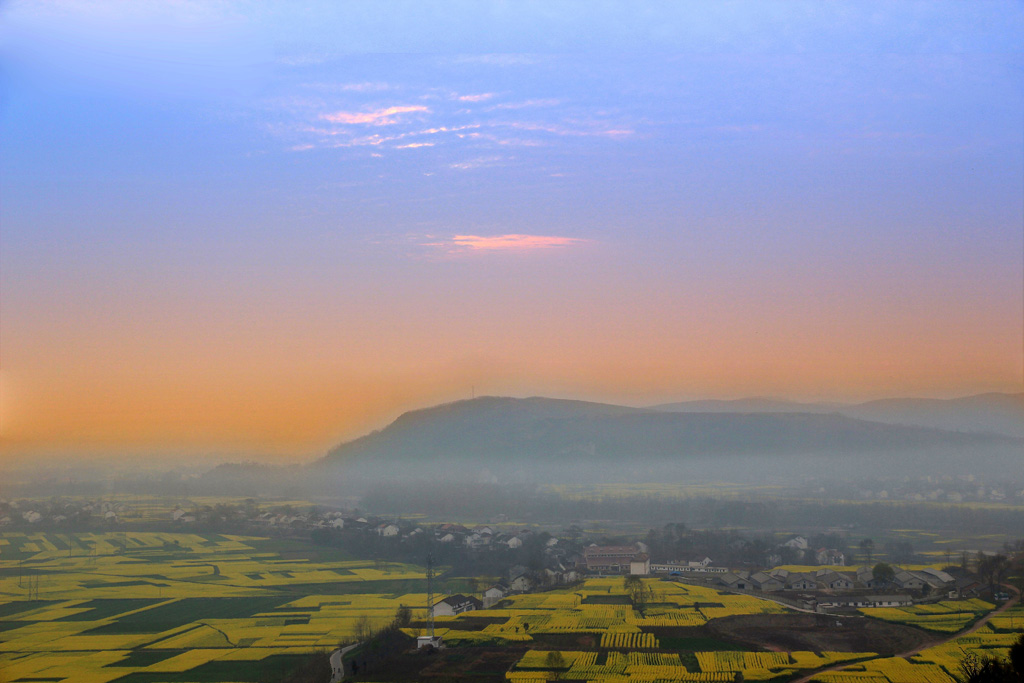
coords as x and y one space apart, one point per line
803 199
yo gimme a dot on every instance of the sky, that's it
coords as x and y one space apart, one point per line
262 228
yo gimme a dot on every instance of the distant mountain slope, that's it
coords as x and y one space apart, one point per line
992 413
748 405
506 434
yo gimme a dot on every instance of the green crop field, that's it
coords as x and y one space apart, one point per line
138 607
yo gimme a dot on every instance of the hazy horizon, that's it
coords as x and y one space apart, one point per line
236 228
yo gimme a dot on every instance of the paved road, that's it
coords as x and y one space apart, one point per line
939 641
337 671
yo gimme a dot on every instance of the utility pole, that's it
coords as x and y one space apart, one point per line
430 592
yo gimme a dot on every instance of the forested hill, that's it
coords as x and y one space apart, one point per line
499 434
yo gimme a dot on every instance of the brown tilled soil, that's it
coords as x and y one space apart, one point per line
818 632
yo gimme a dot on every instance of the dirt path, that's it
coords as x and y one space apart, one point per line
917 650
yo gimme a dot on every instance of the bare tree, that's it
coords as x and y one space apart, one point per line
363 628
867 549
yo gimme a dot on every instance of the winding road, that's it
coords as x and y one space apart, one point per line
917 650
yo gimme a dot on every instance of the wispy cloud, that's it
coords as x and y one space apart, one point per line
302 59
747 128
414 145
475 98
378 117
509 242
479 162
498 59
526 104
367 86
576 131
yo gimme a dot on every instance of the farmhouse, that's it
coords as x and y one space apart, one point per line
496 592
520 583
833 580
908 580
801 582
456 604
966 587
640 565
830 556
738 580
387 530
796 543
936 577
766 582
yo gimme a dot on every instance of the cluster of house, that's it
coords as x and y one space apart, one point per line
297 520
483 536
49 513
520 580
804 552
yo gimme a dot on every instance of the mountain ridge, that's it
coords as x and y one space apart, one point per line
537 434
986 413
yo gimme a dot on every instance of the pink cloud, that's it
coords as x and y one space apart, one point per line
379 117
509 242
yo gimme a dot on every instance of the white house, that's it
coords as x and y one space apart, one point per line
640 565
456 604
436 642
796 543
514 542
520 583
447 538
830 556
387 530
495 592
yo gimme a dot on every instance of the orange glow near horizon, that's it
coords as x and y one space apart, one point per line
274 385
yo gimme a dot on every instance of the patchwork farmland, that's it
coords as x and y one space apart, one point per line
138 607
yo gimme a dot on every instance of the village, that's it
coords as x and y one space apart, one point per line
795 571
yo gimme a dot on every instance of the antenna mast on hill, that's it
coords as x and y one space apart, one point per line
430 592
